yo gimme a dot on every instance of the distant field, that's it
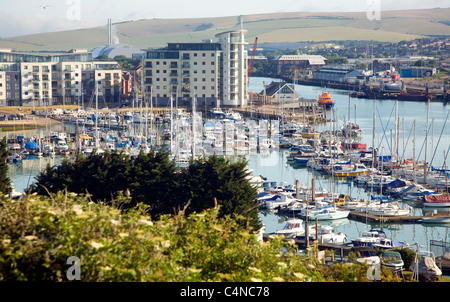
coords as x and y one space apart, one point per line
270 28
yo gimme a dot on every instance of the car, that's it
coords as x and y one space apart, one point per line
12 117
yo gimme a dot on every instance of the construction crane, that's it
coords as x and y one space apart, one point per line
252 59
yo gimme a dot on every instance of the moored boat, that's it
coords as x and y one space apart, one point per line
292 228
436 201
326 235
325 100
436 220
369 238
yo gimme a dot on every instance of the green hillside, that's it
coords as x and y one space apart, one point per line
393 26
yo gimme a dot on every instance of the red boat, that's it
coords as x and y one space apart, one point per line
325 100
435 200
412 97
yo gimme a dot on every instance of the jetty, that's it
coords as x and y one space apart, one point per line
361 216
340 250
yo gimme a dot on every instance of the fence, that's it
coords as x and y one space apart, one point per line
439 247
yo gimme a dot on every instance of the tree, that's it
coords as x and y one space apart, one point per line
216 179
5 182
126 246
152 179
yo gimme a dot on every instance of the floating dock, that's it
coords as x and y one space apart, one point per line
399 219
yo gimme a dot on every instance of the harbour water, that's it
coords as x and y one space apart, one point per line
273 165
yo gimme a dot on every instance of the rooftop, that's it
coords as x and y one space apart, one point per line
313 59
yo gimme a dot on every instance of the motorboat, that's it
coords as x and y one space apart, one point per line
308 132
217 113
353 170
366 255
369 238
277 201
436 201
425 269
292 228
327 213
387 209
388 243
436 220
325 100
325 234
392 260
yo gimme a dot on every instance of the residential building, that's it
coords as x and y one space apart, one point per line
2 88
282 93
212 74
38 79
233 70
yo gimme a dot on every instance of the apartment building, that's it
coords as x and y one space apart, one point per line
212 74
2 88
36 79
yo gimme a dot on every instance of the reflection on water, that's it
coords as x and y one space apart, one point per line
23 174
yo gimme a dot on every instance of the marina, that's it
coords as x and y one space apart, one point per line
271 159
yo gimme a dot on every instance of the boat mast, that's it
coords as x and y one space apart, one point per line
96 116
193 125
425 167
414 152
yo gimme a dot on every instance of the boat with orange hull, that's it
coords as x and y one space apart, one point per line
325 100
436 201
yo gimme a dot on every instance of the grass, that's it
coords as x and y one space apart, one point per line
275 27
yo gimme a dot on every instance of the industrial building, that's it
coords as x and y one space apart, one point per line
417 72
285 62
339 74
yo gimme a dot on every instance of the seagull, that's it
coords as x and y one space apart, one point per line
45 6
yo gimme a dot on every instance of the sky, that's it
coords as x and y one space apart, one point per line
23 17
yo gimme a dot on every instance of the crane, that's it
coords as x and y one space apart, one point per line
252 59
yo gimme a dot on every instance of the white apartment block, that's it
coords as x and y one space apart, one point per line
212 74
234 68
